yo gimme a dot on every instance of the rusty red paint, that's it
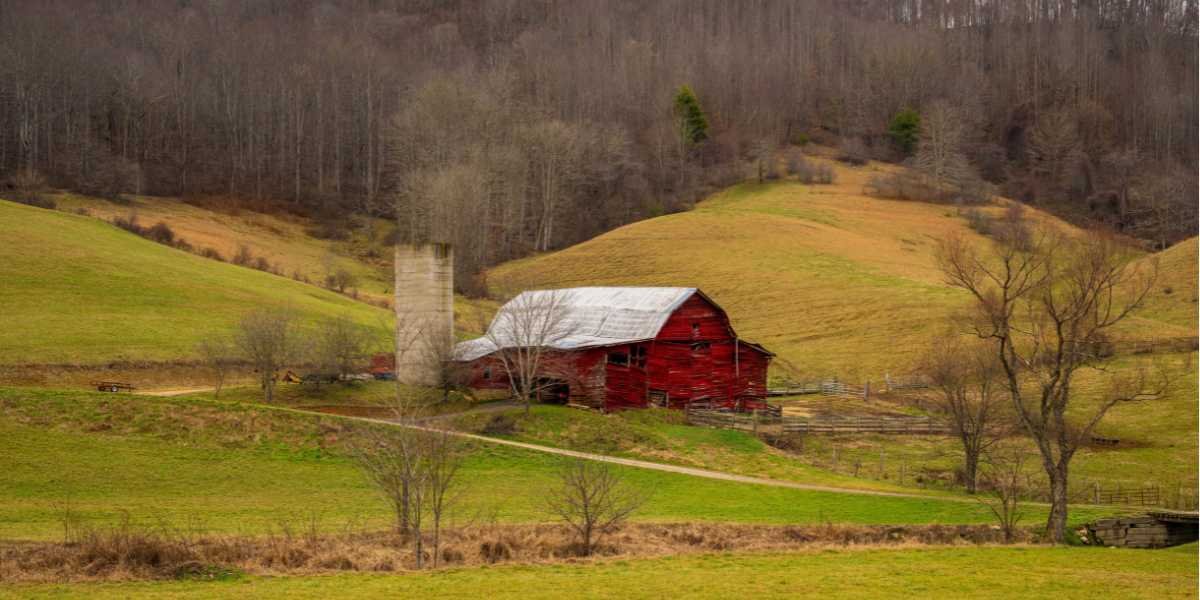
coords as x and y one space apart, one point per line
696 357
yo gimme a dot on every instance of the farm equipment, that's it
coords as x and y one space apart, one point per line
112 386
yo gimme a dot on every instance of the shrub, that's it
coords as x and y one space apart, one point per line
808 171
161 233
979 221
211 253
129 224
244 256
853 151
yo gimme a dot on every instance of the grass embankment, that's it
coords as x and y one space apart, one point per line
76 290
244 469
830 279
659 435
962 572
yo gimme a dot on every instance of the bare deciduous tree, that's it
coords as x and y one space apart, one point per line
968 393
341 346
593 500
523 332
265 337
416 471
1045 307
1005 477
940 150
218 355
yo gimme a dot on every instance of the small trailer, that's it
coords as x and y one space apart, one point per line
112 386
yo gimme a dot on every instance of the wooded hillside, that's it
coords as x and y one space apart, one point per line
514 126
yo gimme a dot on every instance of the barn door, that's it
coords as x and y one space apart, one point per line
702 372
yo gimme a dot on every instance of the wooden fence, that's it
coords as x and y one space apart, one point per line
1143 496
763 421
842 389
884 425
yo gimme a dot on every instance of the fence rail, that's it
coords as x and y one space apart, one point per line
885 425
1144 496
761 421
833 387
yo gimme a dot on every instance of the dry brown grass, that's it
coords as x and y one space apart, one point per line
127 553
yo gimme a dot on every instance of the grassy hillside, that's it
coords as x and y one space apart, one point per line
244 469
832 280
77 290
1173 299
283 240
967 572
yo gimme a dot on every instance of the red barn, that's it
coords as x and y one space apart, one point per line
631 347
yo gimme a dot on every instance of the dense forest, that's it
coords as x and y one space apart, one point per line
511 126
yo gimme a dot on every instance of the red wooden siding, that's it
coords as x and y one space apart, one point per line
695 357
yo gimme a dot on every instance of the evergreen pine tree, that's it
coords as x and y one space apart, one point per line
904 130
693 125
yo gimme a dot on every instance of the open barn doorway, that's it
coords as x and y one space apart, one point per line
553 391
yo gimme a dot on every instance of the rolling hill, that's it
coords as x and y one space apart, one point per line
80 291
832 280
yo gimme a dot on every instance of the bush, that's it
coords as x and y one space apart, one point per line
244 256
211 253
161 233
853 151
979 221
33 198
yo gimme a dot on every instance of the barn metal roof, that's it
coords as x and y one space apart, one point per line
590 316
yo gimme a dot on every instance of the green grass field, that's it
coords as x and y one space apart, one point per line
245 469
76 290
958 573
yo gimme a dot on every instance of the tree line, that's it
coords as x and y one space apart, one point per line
515 127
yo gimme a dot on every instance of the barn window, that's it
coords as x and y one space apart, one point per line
487 372
639 357
618 358
699 346
695 328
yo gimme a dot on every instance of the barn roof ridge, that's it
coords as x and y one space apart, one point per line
595 316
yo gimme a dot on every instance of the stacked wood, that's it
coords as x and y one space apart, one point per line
1142 531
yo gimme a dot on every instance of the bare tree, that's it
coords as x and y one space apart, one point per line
940 155
218 355
416 471
443 458
341 346
437 350
968 393
1045 307
593 501
1005 477
265 337
1054 150
524 332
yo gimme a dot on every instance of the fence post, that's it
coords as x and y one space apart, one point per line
867 390
1095 493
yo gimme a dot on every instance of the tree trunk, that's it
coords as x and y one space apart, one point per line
971 471
1056 523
